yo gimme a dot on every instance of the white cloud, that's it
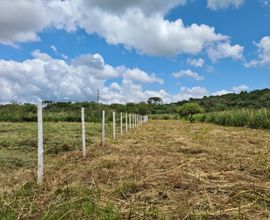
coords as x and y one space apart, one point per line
264 53
46 78
195 62
194 92
141 76
20 20
225 50
34 16
222 4
54 49
147 6
185 94
187 73
235 89
95 65
129 91
163 38
241 88
221 92
121 22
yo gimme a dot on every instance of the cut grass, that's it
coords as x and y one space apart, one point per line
126 189
163 170
69 202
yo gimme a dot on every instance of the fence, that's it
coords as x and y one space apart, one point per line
131 122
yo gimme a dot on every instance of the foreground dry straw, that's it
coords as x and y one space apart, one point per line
163 170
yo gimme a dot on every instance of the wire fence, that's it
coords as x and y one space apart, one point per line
130 121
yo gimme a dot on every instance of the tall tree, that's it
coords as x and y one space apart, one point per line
154 100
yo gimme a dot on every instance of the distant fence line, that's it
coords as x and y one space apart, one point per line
132 121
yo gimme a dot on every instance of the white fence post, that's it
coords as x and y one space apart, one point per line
121 124
114 134
83 135
145 118
126 122
40 146
129 121
133 121
103 129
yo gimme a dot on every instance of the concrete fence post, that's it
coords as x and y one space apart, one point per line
114 132
129 121
83 134
121 124
103 129
40 145
126 122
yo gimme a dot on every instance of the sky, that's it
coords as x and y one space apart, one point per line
66 50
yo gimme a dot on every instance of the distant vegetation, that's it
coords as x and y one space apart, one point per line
249 100
70 112
238 118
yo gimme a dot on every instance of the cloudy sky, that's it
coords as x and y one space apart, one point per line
65 50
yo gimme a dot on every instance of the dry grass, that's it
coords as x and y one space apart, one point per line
163 170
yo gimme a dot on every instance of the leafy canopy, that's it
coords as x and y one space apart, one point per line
154 100
189 109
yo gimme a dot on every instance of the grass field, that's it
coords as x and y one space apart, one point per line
162 170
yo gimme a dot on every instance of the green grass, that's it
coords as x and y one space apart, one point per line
18 142
164 117
28 113
238 118
127 188
69 202
63 136
18 153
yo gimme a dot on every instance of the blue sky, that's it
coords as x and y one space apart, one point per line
132 50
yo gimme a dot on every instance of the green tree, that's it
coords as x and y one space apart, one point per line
154 100
189 109
143 108
131 107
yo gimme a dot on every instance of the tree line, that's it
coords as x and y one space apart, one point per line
69 111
